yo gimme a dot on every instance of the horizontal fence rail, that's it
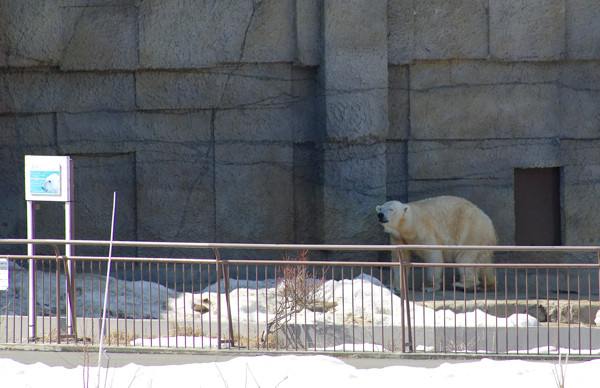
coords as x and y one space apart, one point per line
296 303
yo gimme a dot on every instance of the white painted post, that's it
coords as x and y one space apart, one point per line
71 273
31 312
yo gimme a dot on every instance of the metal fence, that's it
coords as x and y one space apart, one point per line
298 304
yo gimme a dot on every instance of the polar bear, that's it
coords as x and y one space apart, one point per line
52 184
444 220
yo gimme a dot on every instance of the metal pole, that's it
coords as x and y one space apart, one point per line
404 272
227 301
110 247
70 273
218 261
402 295
32 278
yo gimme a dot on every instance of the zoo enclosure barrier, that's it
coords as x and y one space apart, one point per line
298 304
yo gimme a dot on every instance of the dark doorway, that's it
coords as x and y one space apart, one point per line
537 206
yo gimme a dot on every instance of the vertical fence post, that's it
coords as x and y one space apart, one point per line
70 270
31 308
218 261
58 296
223 272
227 301
405 305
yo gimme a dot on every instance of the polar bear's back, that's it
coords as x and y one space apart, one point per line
449 220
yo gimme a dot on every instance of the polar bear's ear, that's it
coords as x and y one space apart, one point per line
378 208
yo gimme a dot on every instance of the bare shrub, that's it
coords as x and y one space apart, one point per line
296 286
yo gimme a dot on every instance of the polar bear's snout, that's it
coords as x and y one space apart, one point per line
382 218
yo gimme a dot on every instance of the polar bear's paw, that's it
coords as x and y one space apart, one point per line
459 285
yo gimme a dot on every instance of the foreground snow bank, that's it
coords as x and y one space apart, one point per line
299 372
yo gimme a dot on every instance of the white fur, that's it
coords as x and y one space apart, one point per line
442 220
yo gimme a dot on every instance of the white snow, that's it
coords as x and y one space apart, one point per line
291 371
363 299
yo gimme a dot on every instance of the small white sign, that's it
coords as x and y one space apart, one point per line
47 178
3 274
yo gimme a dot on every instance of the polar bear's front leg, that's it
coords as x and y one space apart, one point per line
468 279
433 275
396 268
396 279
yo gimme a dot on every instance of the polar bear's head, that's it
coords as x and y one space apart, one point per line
391 213
52 184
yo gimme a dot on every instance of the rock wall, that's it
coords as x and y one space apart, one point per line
288 120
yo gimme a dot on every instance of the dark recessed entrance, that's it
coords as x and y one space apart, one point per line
537 206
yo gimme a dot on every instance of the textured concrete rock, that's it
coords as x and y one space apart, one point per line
94 199
232 86
253 125
399 103
308 29
30 33
21 134
523 30
353 183
469 158
396 171
580 185
97 132
401 39
461 29
185 129
582 29
580 100
486 111
428 75
174 193
29 92
254 192
189 34
355 116
306 124
49 91
179 90
125 132
354 72
101 37
308 184
500 101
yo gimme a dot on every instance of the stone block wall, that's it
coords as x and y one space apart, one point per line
282 121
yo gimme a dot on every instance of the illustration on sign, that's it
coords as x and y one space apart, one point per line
45 182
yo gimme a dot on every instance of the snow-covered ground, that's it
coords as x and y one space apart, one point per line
292 371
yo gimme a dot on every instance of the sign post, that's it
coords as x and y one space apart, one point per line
49 178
